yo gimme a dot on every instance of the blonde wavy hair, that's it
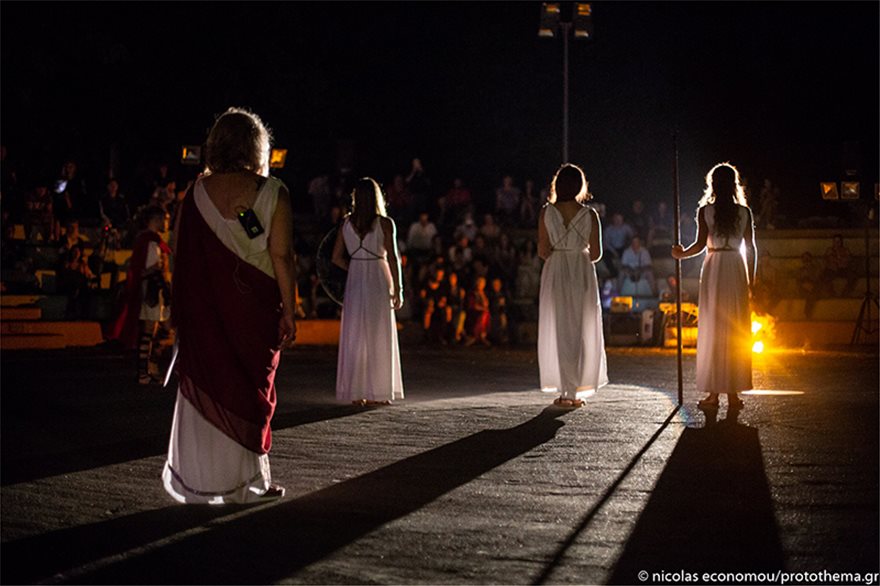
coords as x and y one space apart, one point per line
238 141
709 194
724 189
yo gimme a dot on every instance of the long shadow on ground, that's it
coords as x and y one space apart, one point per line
711 510
97 448
272 542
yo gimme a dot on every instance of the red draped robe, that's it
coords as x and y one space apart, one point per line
226 312
125 328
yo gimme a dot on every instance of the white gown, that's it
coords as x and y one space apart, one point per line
369 357
571 346
724 353
204 465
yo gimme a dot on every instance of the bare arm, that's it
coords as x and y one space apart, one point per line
595 237
544 246
751 249
699 244
390 233
339 251
281 253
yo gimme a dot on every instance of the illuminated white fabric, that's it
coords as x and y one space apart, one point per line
571 346
724 353
369 357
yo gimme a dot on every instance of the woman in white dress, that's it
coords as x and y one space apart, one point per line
368 371
726 230
233 309
571 346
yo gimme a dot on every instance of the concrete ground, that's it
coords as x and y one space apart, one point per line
471 479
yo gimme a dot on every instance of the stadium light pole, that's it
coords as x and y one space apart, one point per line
581 24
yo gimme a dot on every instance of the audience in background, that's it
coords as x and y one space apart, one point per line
636 266
507 201
838 265
465 280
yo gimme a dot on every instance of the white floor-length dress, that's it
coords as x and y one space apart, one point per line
571 346
204 465
369 357
724 353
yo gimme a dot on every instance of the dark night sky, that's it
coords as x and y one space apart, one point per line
776 88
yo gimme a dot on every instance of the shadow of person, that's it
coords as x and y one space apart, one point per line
272 543
711 509
98 446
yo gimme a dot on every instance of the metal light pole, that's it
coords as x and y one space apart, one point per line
581 24
566 26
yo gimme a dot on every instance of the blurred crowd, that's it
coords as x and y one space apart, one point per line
471 269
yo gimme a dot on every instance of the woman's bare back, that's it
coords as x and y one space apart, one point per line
233 192
568 209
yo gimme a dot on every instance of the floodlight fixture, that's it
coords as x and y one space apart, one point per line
849 190
278 158
550 12
190 154
829 190
583 20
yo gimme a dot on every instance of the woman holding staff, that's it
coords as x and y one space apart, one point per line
725 229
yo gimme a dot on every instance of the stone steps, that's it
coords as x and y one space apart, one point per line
16 335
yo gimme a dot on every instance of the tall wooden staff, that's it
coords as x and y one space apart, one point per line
677 208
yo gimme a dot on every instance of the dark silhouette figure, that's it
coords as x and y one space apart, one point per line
711 509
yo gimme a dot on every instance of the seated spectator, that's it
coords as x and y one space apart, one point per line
467 228
72 198
39 220
114 208
479 269
838 264
481 250
400 201
498 328
528 207
103 259
668 291
420 234
636 268
456 313
460 257
528 272
73 280
506 259
490 230
639 220
165 195
427 269
434 303
478 316
507 201
661 224
616 238
808 276
765 289
437 248
71 238
454 203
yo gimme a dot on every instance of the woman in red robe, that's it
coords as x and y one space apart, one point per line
233 309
